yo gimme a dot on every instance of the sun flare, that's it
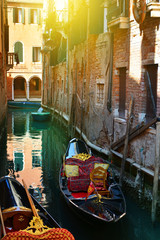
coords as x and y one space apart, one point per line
60 4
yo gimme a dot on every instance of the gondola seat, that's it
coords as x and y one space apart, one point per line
78 172
98 176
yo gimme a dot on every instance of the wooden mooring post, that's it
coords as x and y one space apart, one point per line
125 151
156 173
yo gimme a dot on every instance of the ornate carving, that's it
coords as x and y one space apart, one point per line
36 226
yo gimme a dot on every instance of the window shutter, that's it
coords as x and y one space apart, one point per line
23 15
21 52
33 54
38 16
14 15
29 16
39 54
18 48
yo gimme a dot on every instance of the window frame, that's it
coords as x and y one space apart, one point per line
31 18
36 55
100 92
19 15
18 54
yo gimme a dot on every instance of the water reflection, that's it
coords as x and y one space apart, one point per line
24 149
34 153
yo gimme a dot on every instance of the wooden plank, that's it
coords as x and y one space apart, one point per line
126 141
133 133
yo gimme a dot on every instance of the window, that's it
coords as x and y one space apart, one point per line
34 16
36 57
122 91
18 161
18 48
18 15
36 158
100 93
150 77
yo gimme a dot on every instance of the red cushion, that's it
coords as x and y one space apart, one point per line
79 194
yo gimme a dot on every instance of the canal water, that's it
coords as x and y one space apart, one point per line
33 152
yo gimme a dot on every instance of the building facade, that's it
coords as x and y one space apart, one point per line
111 55
25 31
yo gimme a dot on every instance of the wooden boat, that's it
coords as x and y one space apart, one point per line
22 217
40 115
88 186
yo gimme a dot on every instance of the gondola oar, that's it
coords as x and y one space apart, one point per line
35 213
2 221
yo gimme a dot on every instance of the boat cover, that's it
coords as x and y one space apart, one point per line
81 180
55 233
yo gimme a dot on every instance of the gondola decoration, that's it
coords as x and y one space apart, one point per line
139 10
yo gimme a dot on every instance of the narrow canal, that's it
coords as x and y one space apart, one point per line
33 151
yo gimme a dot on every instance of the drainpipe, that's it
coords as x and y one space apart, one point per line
109 97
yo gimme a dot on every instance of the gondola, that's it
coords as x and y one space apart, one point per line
22 217
88 186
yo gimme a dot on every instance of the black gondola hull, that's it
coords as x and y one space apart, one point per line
13 199
94 210
86 214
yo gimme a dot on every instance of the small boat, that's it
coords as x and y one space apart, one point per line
22 217
23 104
40 115
87 184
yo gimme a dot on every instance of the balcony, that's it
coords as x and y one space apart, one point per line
153 7
11 57
117 14
121 22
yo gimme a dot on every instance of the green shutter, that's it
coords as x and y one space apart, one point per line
18 161
14 15
23 15
38 16
32 54
18 48
29 16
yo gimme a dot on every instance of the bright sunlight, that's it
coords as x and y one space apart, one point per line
60 4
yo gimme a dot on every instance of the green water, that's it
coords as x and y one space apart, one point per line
33 151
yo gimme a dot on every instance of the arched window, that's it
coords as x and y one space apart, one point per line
18 48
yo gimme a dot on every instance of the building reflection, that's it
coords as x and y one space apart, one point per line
24 150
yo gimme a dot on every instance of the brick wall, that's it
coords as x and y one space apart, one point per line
76 94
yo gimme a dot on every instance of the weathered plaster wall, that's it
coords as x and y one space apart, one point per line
76 93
